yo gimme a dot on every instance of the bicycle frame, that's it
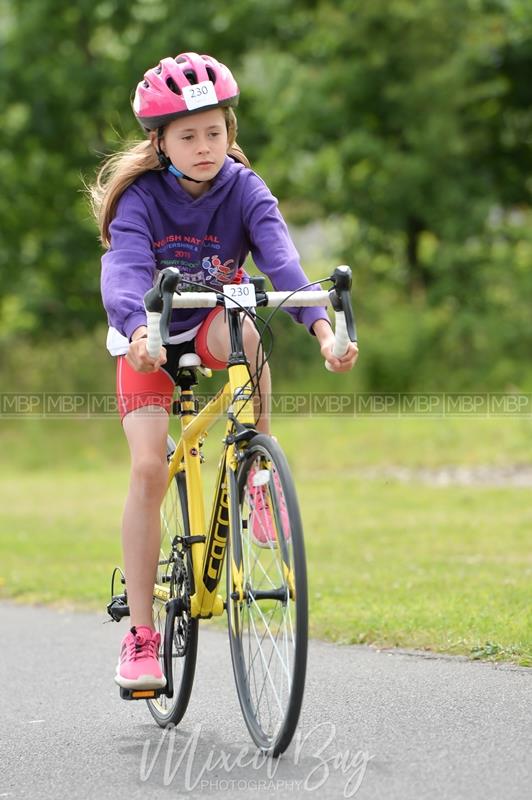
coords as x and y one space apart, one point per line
208 545
254 506
208 548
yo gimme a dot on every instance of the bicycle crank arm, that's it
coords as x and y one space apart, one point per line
256 594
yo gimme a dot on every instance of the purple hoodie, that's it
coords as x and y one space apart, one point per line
158 224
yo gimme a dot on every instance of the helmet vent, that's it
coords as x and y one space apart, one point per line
180 59
191 76
212 74
172 85
158 69
146 84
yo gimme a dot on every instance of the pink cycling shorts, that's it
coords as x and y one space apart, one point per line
136 390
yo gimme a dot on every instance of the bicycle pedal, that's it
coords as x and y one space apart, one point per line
140 694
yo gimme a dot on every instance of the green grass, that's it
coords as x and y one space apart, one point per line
393 564
444 569
60 535
342 443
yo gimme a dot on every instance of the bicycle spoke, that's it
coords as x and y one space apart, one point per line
271 677
268 627
268 674
268 632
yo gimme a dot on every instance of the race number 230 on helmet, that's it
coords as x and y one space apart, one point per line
183 85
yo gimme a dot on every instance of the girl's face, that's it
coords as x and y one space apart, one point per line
197 144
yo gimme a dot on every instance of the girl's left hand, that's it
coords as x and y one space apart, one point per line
345 362
325 336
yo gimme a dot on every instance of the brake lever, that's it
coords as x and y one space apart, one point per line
159 298
168 287
340 296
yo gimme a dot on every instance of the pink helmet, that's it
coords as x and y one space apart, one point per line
183 85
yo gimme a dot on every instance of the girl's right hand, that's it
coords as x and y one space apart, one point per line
138 357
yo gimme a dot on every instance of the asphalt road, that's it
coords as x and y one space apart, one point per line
376 725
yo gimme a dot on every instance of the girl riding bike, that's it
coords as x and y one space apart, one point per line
184 197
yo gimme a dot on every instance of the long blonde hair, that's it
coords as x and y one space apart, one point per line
119 170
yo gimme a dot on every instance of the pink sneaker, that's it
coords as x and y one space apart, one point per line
263 530
138 666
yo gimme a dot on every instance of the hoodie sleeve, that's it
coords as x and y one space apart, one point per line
128 267
272 249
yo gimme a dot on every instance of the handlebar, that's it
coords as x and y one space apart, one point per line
164 296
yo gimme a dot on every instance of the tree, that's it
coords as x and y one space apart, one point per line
399 113
66 72
407 118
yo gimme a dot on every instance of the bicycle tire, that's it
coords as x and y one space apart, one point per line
179 632
268 626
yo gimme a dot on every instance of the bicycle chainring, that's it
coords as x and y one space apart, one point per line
180 588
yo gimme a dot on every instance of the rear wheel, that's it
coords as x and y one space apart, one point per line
179 632
267 595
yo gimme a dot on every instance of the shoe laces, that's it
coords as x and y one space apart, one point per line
140 646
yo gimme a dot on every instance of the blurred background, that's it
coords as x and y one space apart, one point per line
397 136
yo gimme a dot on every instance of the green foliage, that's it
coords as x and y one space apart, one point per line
404 123
396 111
80 364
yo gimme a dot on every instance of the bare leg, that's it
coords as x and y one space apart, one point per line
146 431
218 343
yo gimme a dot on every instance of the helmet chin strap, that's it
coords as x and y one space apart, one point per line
165 162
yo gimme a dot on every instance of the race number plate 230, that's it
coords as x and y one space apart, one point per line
239 294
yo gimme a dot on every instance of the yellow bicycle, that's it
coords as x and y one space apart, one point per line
255 527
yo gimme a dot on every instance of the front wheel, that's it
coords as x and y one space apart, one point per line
267 595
